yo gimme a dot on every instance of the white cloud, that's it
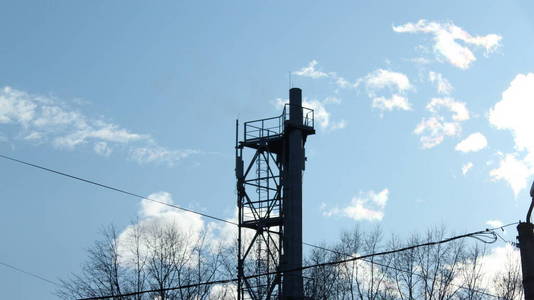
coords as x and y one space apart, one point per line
473 143
442 84
466 167
48 120
397 84
434 129
459 109
369 206
514 113
311 71
321 115
514 171
395 102
381 78
446 41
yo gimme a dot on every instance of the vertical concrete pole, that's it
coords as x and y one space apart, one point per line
292 284
526 248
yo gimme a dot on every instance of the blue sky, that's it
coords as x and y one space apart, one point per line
423 112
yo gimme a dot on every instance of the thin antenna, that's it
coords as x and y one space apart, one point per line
290 81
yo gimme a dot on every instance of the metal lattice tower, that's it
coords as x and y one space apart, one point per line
269 202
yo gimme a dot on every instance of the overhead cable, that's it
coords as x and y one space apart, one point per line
29 273
113 188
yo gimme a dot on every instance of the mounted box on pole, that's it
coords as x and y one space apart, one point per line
269 200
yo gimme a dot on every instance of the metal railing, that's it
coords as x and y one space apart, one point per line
272 127
307 115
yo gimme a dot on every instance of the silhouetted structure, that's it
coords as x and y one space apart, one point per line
270 202
526 248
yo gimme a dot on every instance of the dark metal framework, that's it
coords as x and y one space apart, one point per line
262 190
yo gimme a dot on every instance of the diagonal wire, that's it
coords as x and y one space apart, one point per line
29 273
113 188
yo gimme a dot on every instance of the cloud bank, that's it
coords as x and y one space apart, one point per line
513 113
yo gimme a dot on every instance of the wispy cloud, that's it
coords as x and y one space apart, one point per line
394 102
434 129
395 83
47 120
446 41
160 154
381 78
442 84
467 167
311 71
367 206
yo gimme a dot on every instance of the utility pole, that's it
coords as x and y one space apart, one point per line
526 247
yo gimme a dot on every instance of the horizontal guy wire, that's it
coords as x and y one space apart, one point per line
354 258
113 188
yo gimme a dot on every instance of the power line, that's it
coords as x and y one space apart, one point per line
163 290
29 273
353 258
143 197
112 188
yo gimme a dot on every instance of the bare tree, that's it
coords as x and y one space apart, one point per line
137 260
472 275
321 282
164 256
102 275
507 283
157 257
